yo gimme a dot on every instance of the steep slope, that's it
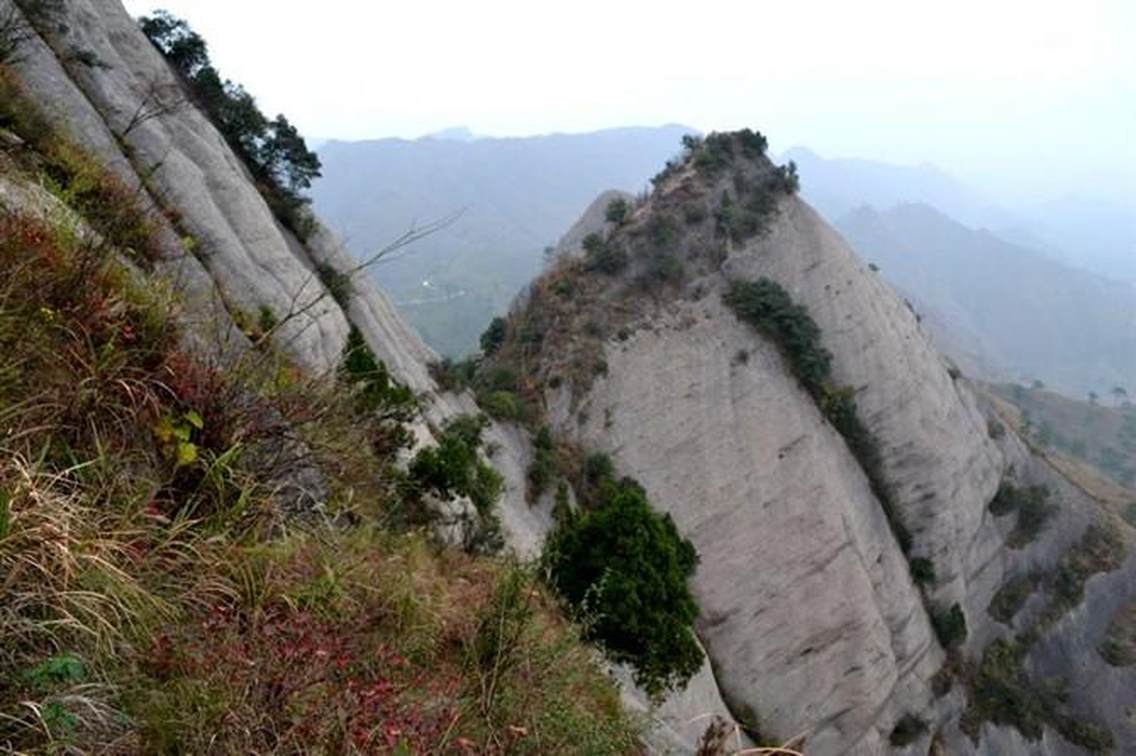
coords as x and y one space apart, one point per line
184 477
839 577
516 196
1036 317
1104 436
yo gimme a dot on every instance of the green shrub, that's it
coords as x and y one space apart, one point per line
501 405
1032 506
1002 693
1010 598
598 468
454 468
542 469
624 569
664 269
494 336
907 730
950 626
617 211
273 149
338 284
662 232
766 306
1119 646
266 319
922 571
1100 549
498 378
378 392
454 376
603 256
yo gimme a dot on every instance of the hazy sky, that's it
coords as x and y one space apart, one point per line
1028 98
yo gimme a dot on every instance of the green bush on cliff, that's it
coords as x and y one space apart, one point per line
273 149
454 467
766 306
624 569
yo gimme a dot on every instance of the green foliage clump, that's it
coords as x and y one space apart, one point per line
266 319
454 376
494 336
907 730
273 149
617 211
338 284
922 571
950 625
542 469
1100 549
714 153
766 306
1010 598
662 231
501 405
603 255
454 467
624 569
378 392
1033 509
1001 692
1119 646
62 669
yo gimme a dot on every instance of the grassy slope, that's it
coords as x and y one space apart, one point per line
153 599
1104 436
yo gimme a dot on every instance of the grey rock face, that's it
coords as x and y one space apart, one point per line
188 166
809 612
807 606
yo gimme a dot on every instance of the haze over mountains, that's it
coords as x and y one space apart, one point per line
1098 234
515 196
998 293
1004 309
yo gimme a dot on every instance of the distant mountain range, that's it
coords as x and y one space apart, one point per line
989 281
1002 310
516 197
1093 234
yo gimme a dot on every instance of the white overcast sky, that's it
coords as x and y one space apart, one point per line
1028 98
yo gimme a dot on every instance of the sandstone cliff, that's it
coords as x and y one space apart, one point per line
815 619
811 615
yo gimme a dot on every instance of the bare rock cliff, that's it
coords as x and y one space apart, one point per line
818 598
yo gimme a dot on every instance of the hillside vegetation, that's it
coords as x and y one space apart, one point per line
1101 432
206 549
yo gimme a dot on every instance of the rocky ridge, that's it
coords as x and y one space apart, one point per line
811 618
815 618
